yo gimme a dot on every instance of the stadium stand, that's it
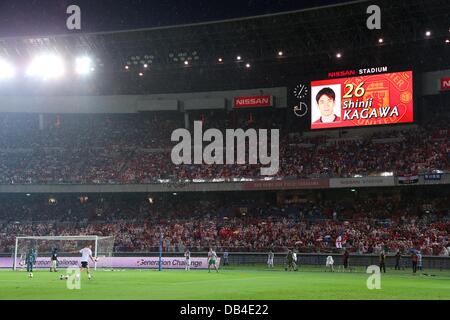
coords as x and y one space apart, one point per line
367 224
121 149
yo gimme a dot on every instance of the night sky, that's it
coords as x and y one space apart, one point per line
44 17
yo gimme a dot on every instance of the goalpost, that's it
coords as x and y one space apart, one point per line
102 246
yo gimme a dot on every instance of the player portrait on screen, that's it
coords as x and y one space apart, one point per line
328 105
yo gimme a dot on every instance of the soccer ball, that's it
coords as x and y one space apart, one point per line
63 277
30 275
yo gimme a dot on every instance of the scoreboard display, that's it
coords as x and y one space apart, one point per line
376 99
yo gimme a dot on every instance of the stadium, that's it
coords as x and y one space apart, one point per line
299 155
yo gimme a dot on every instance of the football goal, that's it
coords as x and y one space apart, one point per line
66 246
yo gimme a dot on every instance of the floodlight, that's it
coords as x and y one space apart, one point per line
6 70
83 65
46 67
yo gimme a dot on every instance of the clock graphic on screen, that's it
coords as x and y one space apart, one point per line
301 91
301 109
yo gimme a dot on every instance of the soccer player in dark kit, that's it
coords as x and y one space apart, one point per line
383 261
289 261
54 260
414 260
345 259
397 260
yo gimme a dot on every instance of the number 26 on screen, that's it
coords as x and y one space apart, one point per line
359 91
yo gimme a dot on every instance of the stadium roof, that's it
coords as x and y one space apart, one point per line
308 39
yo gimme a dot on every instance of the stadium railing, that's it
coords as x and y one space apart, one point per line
305 259
310 259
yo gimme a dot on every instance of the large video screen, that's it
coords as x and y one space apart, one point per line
362 101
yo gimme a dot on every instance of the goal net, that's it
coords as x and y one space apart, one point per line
68 248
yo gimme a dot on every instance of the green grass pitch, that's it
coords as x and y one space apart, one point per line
232 283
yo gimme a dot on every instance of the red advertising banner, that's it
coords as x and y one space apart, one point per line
445 84
253 101
362 101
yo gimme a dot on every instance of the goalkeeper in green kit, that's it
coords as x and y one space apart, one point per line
30 260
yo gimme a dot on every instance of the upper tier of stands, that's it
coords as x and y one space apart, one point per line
135 148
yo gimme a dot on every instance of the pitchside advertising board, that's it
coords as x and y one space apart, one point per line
115 262
371 98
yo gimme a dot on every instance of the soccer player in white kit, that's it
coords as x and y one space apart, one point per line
212 257
86 254
270 259
294 260
329 263
187 256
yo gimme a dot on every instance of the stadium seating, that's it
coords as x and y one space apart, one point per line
136 149
366 226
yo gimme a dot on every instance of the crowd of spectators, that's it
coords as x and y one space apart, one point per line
122 149
365 226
